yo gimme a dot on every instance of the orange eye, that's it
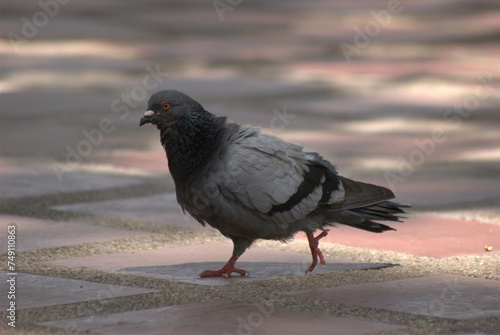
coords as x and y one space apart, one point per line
166 106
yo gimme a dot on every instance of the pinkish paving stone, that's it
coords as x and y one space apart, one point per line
34 233
424 235
445 296
222 317
187 262
34 291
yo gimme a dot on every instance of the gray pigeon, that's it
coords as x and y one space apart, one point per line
249 185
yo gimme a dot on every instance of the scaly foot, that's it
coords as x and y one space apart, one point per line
226 270
315 252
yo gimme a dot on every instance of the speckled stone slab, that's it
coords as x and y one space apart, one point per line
34 233
221 317
19 181
445 296
187 262
162 208
39 291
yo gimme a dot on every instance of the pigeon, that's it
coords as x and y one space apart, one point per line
250 185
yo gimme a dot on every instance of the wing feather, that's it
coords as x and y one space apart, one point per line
275 178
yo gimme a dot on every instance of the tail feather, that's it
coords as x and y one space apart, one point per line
364 205
386 210
365 217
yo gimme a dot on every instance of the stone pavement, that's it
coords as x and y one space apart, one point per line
403 94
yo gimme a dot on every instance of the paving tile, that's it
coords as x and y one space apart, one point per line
445 190
423 235
34 291
187 262
37 234
17 181
445 296
152 161
161 208
222 317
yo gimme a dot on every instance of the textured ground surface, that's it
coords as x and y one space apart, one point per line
399 93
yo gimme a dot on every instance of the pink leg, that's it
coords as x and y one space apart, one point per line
226 270
315 252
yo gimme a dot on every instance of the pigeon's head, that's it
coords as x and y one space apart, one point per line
165 108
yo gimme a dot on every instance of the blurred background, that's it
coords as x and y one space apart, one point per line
405 94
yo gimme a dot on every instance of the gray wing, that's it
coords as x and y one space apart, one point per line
275 178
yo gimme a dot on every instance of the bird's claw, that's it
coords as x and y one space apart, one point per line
224 272
243 273
315 252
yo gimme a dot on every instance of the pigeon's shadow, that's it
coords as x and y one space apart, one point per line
256 269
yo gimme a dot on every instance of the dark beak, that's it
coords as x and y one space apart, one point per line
146 118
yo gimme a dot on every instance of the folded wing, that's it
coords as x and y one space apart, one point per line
277 178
